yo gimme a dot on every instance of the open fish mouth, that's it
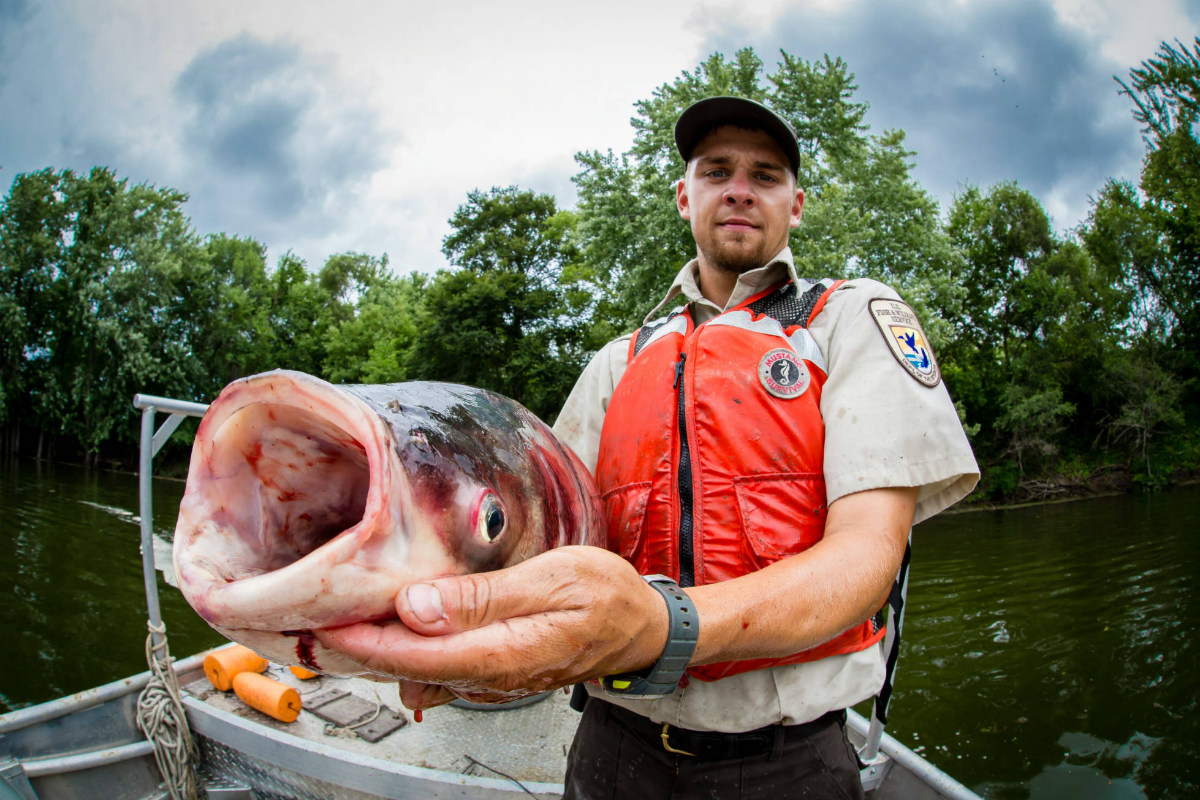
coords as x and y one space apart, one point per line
290 482
287 480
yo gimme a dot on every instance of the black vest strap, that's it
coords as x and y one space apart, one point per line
789 305
896 602
646 331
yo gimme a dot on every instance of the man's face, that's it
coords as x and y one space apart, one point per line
740 196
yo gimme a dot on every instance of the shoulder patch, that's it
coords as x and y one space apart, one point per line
903 333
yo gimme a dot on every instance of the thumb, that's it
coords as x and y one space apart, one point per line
464 602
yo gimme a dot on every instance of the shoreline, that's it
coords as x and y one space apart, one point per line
1115 483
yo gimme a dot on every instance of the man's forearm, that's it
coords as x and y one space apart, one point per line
806 599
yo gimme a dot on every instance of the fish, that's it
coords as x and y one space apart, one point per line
308 504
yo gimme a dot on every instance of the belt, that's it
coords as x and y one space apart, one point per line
713 744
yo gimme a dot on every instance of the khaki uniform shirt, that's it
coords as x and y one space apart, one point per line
882 428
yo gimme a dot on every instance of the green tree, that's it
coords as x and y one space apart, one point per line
31 223
97 262
1165 91
1147 407
222 318
373 345
299 316
1040 324
502 320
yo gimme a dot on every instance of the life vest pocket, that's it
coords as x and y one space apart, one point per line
625 510
781 513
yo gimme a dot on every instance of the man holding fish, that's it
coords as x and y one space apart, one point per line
763 445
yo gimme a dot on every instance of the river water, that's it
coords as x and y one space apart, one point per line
1049 652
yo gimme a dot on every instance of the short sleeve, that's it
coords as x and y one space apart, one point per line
582 416
889 421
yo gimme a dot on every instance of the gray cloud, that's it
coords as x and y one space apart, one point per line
274 138
247 105
985 92
14 11
52 107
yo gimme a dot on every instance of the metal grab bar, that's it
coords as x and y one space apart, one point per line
151 442
57 765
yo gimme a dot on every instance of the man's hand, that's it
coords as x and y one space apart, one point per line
567 615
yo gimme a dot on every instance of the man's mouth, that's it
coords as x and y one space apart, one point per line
738 225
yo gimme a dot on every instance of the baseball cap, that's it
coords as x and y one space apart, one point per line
704 115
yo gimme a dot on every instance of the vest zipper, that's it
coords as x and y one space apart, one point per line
687 566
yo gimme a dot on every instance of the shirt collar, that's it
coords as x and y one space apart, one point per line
748 284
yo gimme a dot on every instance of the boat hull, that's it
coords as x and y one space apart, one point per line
88 745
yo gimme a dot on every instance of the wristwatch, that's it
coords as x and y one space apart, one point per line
662 678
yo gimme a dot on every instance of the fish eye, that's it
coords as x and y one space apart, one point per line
490 521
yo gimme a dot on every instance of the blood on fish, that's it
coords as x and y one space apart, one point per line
253 457
304 647
417 715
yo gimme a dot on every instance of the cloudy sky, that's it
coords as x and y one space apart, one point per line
324 128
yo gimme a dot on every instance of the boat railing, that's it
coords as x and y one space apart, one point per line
151 442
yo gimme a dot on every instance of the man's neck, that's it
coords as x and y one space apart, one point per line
716 284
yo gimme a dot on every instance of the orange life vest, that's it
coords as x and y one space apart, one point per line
711 455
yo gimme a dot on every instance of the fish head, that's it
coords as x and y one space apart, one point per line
309 505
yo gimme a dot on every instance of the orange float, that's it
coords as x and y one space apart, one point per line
302 673
222 666
268 696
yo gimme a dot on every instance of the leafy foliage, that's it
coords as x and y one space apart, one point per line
89 261
501 321
1165 91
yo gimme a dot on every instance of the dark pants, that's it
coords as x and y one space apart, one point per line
619 755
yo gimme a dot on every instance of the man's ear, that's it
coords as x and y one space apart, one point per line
797 208
681 200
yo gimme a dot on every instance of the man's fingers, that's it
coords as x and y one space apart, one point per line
464 602
463 662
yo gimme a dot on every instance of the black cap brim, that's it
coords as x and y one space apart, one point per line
705 115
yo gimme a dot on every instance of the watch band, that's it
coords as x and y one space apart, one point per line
662 678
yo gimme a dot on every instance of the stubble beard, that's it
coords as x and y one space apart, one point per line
736 260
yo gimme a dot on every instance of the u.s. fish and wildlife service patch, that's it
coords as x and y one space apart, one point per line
902 331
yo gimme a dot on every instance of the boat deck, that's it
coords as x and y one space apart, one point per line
523 743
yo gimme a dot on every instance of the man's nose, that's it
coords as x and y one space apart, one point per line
739 191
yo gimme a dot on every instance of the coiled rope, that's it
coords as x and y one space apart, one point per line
161 718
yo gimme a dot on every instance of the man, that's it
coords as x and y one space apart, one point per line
768 445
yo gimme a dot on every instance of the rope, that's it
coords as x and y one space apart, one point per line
475 761
349 731
161 718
